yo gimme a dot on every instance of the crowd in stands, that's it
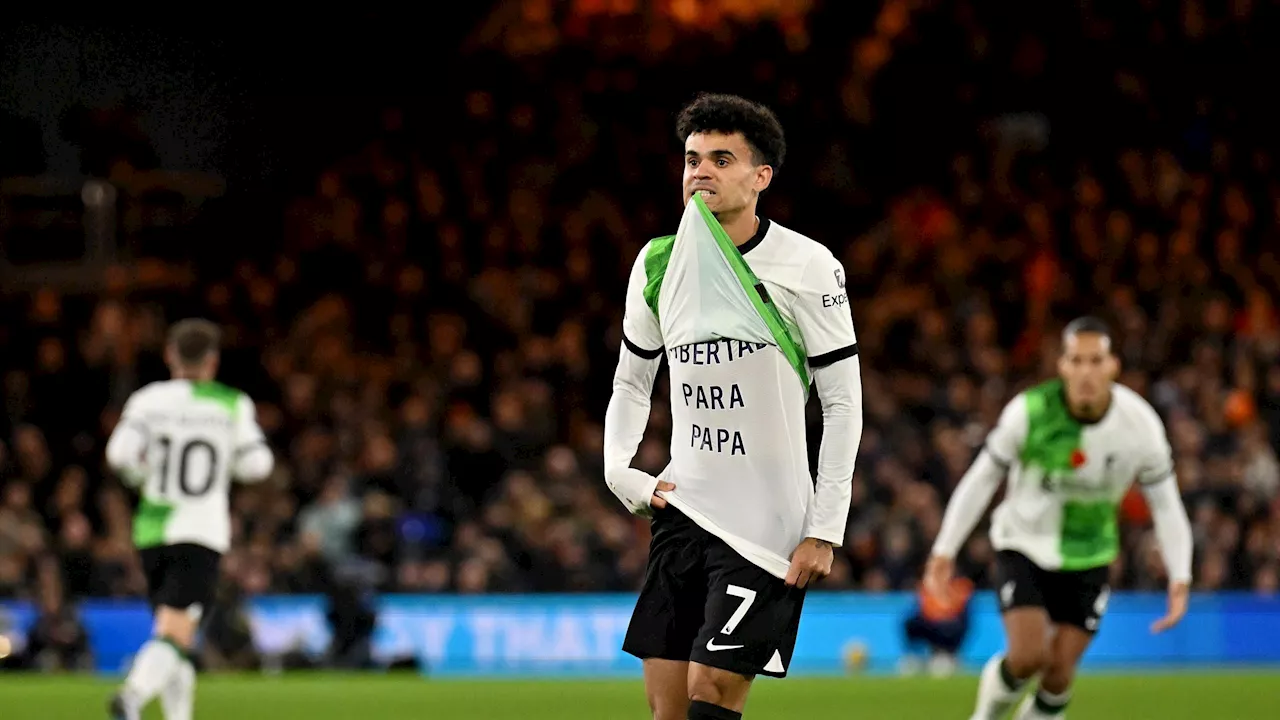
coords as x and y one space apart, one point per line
431 338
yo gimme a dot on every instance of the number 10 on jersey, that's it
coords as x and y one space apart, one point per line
196 466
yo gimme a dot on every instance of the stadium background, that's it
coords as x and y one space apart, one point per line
416 228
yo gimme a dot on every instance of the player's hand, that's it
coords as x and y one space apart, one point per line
637 489
937 576
810 562
657 500
1179 595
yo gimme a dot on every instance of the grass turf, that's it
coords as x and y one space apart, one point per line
1219 695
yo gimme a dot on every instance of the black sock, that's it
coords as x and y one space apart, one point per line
1051 704
1010 682
699 710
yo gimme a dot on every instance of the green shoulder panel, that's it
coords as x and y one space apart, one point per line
656 260
216 392
1052 434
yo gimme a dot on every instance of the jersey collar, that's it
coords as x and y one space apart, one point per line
756 239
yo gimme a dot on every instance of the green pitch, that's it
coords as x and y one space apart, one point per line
1222 695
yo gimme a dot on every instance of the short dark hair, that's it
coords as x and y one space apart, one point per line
1087 324
728 114
194 339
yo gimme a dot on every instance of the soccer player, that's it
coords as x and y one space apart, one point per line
1071 447
740 528
180 442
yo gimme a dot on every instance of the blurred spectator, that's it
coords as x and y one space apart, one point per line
57 641
351 620
937 629
329 523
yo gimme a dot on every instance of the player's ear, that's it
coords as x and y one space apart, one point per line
1113 367
764 176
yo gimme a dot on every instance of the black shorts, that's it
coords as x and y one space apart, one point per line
703 602
183 576
1076 598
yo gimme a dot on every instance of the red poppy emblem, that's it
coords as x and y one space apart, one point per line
1078 458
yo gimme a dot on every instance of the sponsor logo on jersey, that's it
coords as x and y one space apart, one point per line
1068 482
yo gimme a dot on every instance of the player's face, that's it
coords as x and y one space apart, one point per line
1088 368
722 168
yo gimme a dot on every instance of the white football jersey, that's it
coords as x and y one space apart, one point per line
1067 478
739 453
182 442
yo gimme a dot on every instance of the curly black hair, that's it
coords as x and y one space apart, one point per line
713 112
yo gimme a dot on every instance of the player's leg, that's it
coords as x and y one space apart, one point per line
177 699
1026 623
668 613
1050 699
184 581
158 662
1076 607
125 705
749 629
716 694
1005 675
666 688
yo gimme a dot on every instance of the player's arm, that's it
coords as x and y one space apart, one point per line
127 446
252 459
628 412
1159 486
974 492
822 313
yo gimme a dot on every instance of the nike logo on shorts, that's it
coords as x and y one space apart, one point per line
713 647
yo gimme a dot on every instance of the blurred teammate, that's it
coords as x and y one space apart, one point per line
181 442
739 528
1071 447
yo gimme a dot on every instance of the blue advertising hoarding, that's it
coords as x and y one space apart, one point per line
551 635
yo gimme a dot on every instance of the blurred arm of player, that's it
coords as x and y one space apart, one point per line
127 448
973 494
823 315
1173 529
628 414
252 460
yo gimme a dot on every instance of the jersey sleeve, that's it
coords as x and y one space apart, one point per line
1004 442
822 313
128 441
247 430
252 457
641 333
1156 462
133 415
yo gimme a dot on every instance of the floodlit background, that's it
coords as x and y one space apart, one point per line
417 225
